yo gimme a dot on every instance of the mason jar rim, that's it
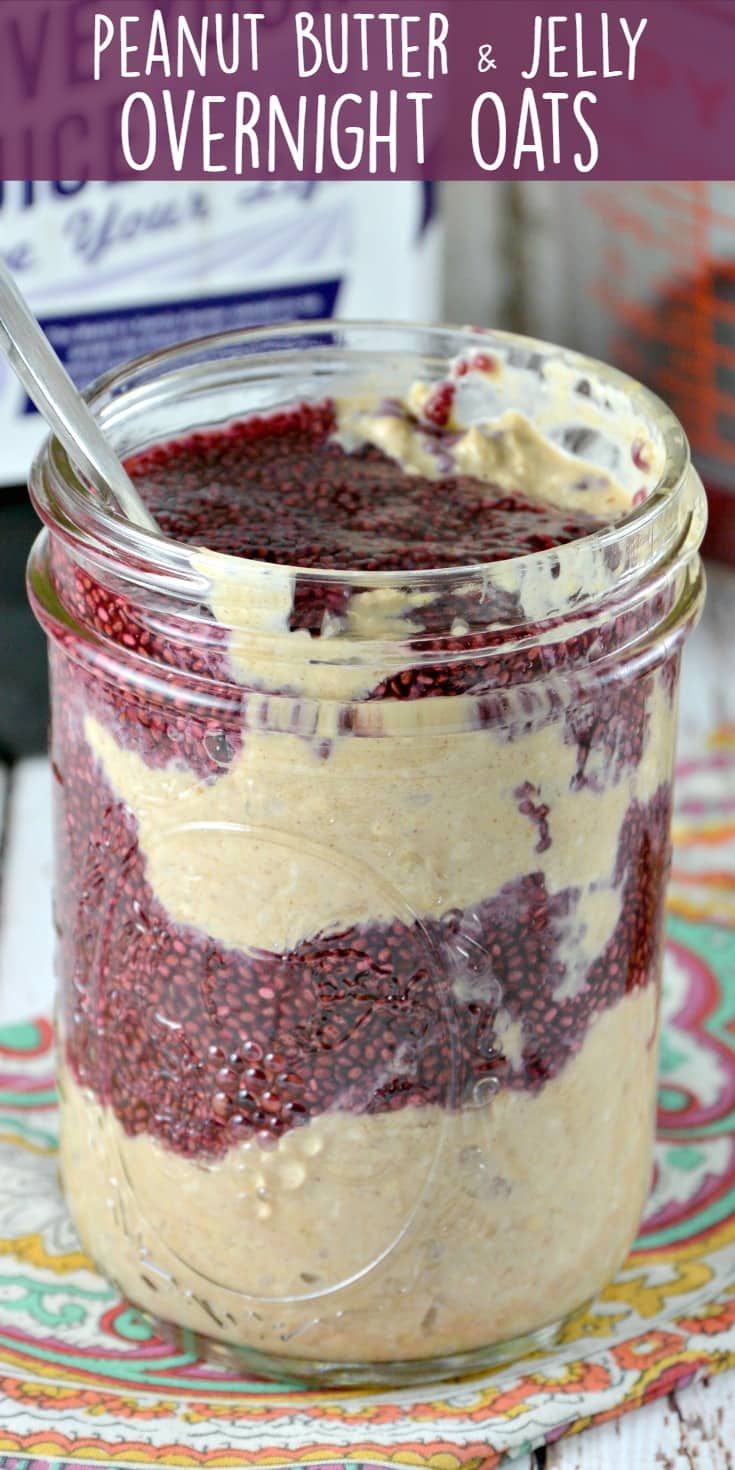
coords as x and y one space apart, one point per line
659 527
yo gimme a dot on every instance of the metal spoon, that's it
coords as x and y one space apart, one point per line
48 384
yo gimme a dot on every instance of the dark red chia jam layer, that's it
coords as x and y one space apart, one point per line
279 489
200 1045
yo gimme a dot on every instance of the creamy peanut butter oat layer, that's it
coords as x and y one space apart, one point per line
387 1234
365 882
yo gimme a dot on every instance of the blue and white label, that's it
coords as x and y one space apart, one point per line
114 270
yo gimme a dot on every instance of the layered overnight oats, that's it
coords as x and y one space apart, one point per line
363 794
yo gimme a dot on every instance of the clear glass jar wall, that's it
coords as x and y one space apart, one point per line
359 886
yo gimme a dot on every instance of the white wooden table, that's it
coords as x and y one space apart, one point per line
690 1430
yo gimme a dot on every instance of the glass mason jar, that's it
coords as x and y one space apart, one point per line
360 882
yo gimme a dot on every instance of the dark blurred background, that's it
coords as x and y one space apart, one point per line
23 693
642 274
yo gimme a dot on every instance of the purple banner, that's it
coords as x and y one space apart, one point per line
197 89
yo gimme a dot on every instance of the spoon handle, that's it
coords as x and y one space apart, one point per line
51 389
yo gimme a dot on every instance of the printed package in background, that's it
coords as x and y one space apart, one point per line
114 270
